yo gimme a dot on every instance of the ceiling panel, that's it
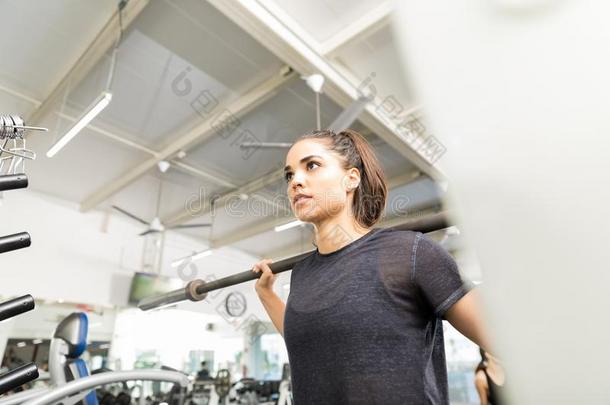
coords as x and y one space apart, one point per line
414 196
282 118
394 163
175 56
87 163
11 104
44 38
178 190
238 215
375 57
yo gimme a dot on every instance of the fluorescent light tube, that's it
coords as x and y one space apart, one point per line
288 225
193 257
199 255
94 109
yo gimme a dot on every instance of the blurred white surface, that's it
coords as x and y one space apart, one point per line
518 92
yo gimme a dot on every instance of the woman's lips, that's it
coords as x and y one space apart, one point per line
301 200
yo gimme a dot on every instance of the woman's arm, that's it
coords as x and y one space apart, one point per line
480 382
275 308
466 316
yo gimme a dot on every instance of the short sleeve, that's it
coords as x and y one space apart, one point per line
436 275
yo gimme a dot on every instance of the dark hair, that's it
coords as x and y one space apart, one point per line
354 150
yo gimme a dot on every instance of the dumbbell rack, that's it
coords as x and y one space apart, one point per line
27 372
12 176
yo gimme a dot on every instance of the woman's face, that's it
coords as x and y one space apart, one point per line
317 183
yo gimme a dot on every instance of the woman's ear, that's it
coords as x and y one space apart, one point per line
352 179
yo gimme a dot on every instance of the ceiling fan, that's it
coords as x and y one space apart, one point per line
156 226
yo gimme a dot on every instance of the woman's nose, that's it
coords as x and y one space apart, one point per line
297 180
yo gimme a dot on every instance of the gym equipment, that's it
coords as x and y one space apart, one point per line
246 392
15 241
68 343
18 376
222 383
12 129
212 391
285 390
67 369
196 290
23 396
13 181
13 126
16 306
27 372
87 383
285 393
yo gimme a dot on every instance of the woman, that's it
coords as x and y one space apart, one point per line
362 323
489 379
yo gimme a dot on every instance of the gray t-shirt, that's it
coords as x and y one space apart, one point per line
363 323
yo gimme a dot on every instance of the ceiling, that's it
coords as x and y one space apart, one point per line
180 65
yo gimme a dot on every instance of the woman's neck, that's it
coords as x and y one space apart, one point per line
336 233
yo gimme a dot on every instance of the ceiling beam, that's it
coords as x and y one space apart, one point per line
191 137
204 174
125 139
19 94
249 188
278 36
104 41
268 224
254 186
370 22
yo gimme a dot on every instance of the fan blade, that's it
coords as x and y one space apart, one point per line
349 115
189 226
130 215
148 231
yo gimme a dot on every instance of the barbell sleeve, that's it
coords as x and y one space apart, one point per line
16 306
15 241
13 181
18 377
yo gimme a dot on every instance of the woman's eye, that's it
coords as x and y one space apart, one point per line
310 163
288 176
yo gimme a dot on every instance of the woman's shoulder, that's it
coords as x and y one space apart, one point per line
396 234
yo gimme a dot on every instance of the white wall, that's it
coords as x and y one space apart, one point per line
73 260
70 258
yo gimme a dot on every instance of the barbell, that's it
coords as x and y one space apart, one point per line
196 290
